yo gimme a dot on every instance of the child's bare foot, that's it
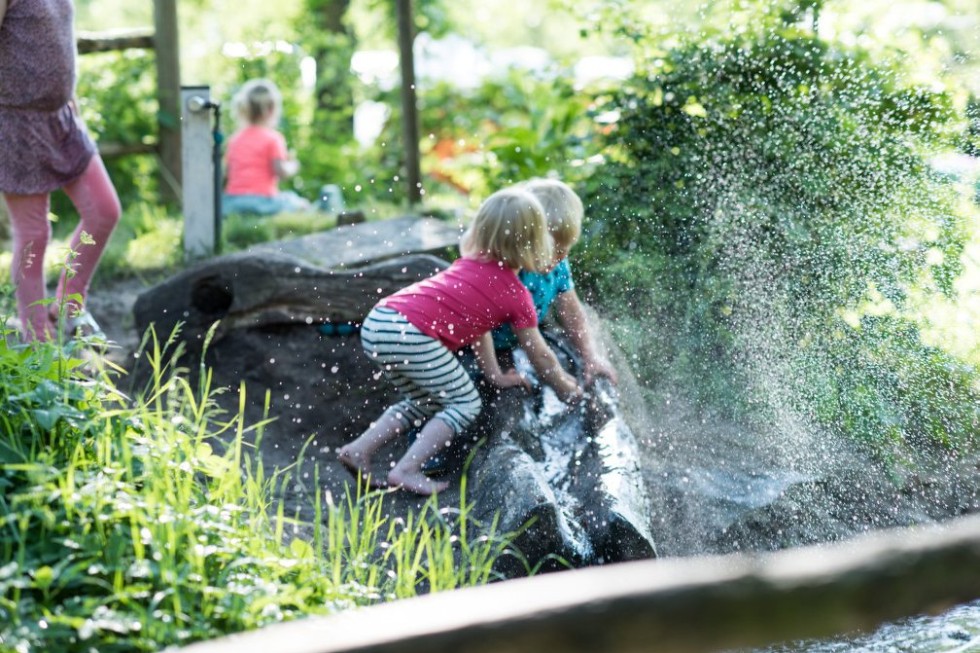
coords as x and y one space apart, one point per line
416 482
359 466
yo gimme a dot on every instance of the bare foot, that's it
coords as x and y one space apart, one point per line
359 467
418 482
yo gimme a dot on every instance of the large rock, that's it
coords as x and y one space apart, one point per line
267 289
565 477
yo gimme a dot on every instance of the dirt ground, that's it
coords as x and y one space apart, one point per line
716 487
313 384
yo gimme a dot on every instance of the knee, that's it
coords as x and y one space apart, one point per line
100 213
29 227
468 411
109 212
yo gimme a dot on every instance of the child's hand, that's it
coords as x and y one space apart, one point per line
595 367
510 379
566 387
290 167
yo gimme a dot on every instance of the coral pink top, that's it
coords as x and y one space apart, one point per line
251 153
464 301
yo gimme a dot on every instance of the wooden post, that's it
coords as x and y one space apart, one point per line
410 118
200 222
167 51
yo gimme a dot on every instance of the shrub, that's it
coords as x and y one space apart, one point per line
766 181
132 524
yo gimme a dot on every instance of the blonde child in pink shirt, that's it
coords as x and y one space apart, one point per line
257 159
413 335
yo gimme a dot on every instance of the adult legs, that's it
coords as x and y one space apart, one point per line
98 207
31 232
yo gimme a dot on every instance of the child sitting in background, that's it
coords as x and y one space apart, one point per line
563 211
413 335
256 158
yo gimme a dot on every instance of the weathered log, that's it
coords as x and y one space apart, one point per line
301 280
111 150
261 289
511 488
622 527
680 605
577 474
368 242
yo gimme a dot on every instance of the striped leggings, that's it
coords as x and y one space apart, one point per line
429 376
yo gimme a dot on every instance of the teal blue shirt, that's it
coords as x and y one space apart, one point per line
544 288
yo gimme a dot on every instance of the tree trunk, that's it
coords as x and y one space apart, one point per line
332 45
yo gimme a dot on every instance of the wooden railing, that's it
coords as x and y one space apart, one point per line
91 42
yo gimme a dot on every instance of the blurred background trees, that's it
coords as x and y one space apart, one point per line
779 199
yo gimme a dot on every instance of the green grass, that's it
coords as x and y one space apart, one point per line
123 529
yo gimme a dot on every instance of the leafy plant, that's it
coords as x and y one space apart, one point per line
117 99
761 183
509 128
136 523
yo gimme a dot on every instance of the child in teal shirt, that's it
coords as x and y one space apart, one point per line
563 210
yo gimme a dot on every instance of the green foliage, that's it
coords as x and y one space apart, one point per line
767 180
242 231
327 145
147 239
124 528
117 99
509 128
970 141
539 125
879 383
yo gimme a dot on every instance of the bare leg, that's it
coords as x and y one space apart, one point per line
98 208
356 456
31 233
407 473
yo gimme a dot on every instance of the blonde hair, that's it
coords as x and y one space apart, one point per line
510 227
562 208
257 101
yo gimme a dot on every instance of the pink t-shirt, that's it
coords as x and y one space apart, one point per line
251 152
464 301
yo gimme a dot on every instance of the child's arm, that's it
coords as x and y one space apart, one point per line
572 318
546 365
486 358
284 167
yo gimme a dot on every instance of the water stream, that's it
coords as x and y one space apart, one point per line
719 487
955 631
